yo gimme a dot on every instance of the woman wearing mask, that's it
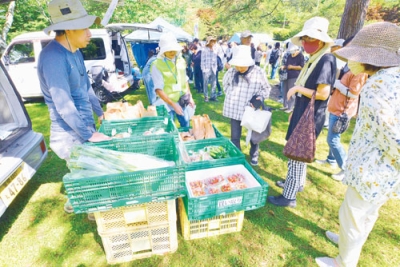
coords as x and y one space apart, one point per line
344 99
318 75
372 170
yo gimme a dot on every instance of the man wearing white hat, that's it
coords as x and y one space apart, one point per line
64 82
168 72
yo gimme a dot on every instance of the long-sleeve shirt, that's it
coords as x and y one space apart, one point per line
238 96
373 163
208 60
67 90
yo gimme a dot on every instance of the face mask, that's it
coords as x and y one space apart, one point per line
355 67
311 47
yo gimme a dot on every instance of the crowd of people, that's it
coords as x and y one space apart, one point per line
367 85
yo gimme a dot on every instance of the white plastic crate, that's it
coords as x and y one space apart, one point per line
135 217
218 225
140 243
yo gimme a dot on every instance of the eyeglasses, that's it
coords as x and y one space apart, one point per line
307 39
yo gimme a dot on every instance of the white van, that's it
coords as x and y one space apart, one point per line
107 49
22 150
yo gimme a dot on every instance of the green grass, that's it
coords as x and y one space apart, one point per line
35 231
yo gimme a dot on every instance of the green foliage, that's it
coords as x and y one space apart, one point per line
282 34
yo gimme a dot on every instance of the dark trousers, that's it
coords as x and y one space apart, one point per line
236 133
198 79
218 86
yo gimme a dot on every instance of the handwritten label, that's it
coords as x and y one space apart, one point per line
229 202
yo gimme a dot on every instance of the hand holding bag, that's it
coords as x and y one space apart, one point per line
301 144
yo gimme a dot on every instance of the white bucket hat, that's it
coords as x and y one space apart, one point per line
167 43
292 48
242 57
315 27
377 44
69 15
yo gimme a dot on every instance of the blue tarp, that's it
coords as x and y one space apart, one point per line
141 52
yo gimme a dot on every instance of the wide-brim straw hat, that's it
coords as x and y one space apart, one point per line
377 44
315 27
210 38
69 15
168 42
242 56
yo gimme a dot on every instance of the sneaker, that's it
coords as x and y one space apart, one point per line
289 111
326 262
190 81
280 100
325 161
281 201
281 184
284 108
334 238
91 217
220 93
338 176
206 99
254 162
68 207
214 99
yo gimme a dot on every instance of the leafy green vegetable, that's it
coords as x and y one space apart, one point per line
89 161
217 152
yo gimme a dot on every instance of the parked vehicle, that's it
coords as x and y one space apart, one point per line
22 150
107 49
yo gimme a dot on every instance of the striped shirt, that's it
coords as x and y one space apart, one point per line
208 60
237 97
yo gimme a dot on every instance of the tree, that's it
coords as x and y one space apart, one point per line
353 18
7 25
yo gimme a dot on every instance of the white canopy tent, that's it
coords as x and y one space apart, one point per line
145 36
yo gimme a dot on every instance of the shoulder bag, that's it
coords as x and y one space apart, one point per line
343 121
301 143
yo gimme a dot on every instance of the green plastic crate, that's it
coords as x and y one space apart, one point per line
218 134
117 190
233 151
139 126
204 207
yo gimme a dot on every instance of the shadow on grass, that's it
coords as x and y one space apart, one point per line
52 165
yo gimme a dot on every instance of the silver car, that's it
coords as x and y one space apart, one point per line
22 150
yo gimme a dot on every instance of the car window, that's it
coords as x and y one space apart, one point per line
21 53
14 120
95 50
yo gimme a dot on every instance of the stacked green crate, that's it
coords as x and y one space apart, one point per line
102 193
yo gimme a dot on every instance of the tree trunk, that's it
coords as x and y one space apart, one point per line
353 18
7 26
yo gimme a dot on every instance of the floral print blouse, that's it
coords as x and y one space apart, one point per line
373 164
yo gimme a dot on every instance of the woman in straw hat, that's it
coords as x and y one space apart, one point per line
168 72
64 82
318 75
372 170
241 84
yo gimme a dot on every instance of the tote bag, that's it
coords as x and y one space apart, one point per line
301 143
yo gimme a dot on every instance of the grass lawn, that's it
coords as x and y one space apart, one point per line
35 231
